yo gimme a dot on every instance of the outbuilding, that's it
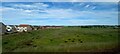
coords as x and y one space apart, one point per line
2 28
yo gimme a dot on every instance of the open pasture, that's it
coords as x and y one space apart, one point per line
67 39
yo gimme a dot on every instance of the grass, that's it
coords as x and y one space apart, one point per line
62 40
0 43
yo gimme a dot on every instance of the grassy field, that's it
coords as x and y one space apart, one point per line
68 39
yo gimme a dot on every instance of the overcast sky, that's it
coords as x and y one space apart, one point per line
59 13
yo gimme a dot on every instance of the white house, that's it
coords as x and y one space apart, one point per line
24 28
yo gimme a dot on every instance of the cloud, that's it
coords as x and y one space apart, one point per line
60 0
87 6
6 9
28 6
23 8
60 13
81 22
28 11
0 19
1 9
41 4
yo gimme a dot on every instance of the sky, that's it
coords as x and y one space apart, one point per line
59 13
60 0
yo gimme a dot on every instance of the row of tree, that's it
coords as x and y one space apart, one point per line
98 26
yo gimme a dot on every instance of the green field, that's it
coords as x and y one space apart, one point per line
67 39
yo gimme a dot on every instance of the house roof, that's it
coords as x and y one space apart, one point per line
2 24
23 25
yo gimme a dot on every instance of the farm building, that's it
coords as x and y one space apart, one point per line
2 28
24 28
35 27
41 27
